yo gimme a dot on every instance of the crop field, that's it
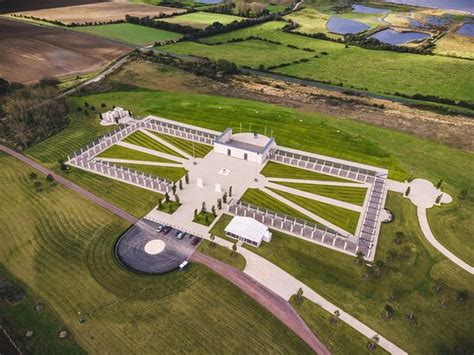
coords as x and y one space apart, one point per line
129 33
341 217
353 67
60 246
354 195
99 12
200 150
407 281
252 53
141 139
202 19
27 48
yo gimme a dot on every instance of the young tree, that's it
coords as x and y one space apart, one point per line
299 296
49 178
234 250
335 317
372 345
224 197
438 199
212 240
359 258
173 188
186 178
33 175
160 203
219 203
167 197
195 213
62 165
230 191
180 184
203 208
388 312
407 192
176 198
213 210
462 296
438 185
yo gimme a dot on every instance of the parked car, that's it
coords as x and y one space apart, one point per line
180 235
195 241
160 228
166 230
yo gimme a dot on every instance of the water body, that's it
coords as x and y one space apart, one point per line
396 38
209 2
460 5
344 26
368 10
466 30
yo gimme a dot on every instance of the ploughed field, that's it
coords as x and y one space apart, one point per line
31 52
100 12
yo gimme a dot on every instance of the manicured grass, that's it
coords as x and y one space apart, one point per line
61 246
341 217
205 218
119 152
130 33
339 337
223 254
277 170
250 53
169 207
164 172
200 150
354 195
141 139
261 199
413 279
201 19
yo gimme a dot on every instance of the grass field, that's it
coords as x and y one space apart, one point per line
141 139
199 151
168 207
341 217
278 170
411 279
201 19
339 337
455 45
164 172
223 254
354 195
261 199
130 33
356 67
251 53
60 246
119 152
204 218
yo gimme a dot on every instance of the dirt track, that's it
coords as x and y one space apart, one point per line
279 307
31 52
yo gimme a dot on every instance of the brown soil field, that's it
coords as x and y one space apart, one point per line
29 52
7 6
99 12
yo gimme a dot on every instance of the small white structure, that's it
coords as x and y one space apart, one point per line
117 115
248 230
218 188
247 146
199 182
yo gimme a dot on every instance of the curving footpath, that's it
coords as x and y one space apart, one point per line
278 306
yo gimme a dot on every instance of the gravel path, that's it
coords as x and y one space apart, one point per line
278 306
70 185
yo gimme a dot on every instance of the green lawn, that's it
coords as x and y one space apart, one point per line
339 337
354 195
412 279
261 199
61 247
341 217
201 19
130 33
141 139
169 207
204 218
223 254
119 152
277 170
164 172
251 53
200 150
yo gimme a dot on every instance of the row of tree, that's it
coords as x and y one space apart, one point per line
240 8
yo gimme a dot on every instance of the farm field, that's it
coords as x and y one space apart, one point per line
354 195
129 33
143 140
434 75
60 245
341 217
201 19
277 170
200 150
410 279
30 53
99 12
456 45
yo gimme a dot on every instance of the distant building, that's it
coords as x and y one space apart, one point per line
248 230
247 146
115 116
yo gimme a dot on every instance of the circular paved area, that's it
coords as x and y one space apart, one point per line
142 249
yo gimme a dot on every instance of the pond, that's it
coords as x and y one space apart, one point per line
460 5
368 10
396 38
344 26
466 30
209 2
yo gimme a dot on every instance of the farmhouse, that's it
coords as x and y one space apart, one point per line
247 146
248 230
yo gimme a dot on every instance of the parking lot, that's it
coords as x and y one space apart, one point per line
145 250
